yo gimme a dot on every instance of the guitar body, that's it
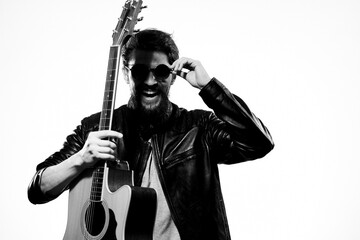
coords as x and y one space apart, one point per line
126 213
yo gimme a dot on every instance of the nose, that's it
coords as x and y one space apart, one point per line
150 80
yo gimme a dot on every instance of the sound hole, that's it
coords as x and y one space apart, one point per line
95 218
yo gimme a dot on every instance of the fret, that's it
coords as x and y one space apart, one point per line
104 124
97 184
96 189
108 94
94 197
98 179
104 121
109 85
111 72
105 115
96 194
106 104
106 108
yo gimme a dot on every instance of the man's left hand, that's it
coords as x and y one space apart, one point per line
196 76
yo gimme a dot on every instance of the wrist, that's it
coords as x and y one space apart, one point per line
77 161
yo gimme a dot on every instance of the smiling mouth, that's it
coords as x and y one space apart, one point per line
149 94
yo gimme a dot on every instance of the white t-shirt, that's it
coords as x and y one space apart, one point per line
164 228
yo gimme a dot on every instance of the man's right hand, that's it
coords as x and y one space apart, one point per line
99 147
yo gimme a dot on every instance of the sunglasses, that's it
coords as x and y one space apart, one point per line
141 71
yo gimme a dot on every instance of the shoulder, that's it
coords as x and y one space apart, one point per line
195 114
186 119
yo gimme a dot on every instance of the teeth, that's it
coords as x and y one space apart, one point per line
149 93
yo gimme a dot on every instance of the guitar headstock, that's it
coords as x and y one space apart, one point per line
127 21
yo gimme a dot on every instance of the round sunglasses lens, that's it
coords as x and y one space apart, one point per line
162 71
139 72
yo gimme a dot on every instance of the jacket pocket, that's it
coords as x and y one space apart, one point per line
173 160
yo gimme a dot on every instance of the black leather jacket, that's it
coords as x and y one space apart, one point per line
187 150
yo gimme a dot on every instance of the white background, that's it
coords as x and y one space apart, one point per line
295 63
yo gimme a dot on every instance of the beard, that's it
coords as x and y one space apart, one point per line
154 114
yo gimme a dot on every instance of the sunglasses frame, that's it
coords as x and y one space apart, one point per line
154 71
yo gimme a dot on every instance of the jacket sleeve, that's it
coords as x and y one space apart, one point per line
73 144
234 132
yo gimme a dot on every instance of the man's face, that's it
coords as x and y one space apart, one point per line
150 93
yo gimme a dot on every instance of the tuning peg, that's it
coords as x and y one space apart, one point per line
143 7
140 19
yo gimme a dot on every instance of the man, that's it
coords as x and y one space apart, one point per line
170 149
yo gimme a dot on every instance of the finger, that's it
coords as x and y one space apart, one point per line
102 153
106 150
181 74
106 134
113 134
94 141
179 64
105 156
106 143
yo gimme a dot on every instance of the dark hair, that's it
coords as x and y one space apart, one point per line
151 40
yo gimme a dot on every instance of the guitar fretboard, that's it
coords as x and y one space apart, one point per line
106 116
110 89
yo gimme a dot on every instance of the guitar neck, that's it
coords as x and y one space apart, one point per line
110 88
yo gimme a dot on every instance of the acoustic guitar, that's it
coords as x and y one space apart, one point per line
104 204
